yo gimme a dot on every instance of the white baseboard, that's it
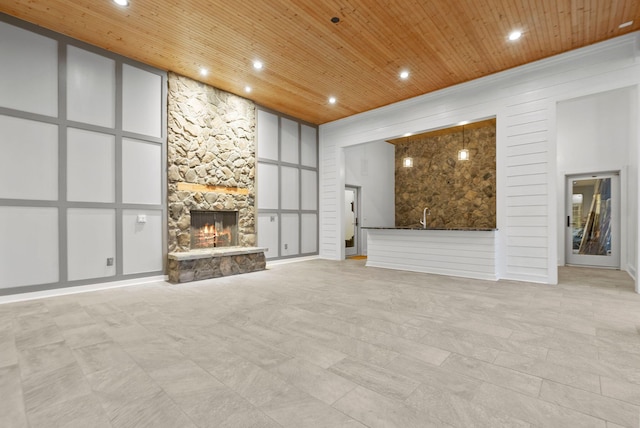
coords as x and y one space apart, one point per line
21 297
291 260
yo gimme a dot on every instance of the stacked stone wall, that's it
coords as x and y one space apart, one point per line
210 142
459 194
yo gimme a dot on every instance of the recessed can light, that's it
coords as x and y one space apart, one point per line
121 2
404 74
625 24
203 72
258 65
335 19
332 100
515 35
247 88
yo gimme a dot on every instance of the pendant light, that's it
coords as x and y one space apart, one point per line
463 154
407 161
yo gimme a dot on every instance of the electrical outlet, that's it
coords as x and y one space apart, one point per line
110 261
142 218
273 218
286 246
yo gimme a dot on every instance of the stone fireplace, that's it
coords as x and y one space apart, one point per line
211 173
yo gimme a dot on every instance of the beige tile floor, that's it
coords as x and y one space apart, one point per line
327 344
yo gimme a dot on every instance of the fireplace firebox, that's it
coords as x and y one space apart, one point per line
210 229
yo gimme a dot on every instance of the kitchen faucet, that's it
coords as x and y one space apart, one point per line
425 213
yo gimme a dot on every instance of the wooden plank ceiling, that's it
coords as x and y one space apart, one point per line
307 58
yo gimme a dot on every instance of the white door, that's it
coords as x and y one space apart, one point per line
350 221
593 220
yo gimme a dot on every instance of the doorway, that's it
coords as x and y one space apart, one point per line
593 220
351 215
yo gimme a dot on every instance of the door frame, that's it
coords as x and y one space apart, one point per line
617 184
357 247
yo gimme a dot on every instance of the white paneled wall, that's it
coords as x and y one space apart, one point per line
309 230
471 254
29 161
526 130
268 195
309 143
141 166
267 135
142 101
91 88
290 236
269 234
91 241
91 181
524 102
33 233
289 143
287 186
331 199
29 70
142 241
309 184
82 191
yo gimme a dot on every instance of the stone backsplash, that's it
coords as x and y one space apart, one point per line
211 142
460 194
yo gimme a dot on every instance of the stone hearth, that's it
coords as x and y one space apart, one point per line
213 263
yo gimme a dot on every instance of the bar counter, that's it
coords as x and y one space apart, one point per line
463 252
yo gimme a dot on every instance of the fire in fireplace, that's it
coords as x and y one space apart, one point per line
211 229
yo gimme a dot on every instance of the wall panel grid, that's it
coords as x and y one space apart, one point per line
287 185
83 153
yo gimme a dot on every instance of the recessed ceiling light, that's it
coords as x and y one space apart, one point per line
335 19
258 65
203 72
121 2
332 100
625 24
515 35
247 88
404 74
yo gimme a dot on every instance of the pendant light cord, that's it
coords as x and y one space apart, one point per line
462 137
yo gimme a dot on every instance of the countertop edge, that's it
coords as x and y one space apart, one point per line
469 229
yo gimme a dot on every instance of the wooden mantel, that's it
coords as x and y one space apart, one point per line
193 187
